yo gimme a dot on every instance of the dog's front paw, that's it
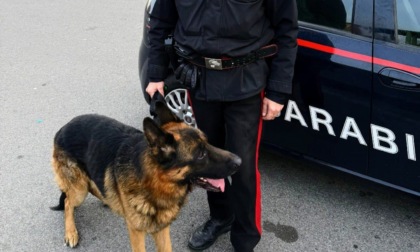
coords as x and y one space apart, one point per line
72 238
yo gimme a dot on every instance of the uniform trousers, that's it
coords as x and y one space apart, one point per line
236 126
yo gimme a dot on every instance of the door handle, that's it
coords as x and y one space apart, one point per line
399 79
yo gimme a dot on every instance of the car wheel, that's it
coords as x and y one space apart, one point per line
177 101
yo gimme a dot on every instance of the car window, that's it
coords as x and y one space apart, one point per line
336 14
408 22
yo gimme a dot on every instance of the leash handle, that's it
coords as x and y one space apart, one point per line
157 97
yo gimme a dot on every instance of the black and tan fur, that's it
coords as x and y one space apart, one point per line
143 176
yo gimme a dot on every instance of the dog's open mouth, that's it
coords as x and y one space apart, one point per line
214 185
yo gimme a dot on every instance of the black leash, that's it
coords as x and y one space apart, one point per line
157 97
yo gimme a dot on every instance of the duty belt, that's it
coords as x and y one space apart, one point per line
229 63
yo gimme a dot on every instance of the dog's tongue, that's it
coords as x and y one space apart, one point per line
218 183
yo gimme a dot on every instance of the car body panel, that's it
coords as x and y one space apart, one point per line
321 91
330 81
396 107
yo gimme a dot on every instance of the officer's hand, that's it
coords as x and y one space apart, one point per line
155 86
271 109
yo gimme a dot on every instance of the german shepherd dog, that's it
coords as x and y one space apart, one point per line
143 176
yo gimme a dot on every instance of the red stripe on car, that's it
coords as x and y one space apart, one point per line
357 56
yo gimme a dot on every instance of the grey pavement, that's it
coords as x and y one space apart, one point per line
59 59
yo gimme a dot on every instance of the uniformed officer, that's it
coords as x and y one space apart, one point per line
224 46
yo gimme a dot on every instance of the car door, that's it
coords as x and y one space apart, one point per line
394 156
327 118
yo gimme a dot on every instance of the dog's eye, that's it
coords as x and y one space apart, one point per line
202 154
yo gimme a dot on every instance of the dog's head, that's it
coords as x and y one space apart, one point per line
184 154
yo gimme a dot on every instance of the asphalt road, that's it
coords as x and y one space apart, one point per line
59 59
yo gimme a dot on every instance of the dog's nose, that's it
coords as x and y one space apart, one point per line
236 161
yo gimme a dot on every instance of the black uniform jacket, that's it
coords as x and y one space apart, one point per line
231 28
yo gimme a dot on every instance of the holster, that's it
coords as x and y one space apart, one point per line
186 73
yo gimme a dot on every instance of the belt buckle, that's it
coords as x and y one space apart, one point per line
215 64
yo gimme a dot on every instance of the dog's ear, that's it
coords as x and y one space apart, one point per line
161 143
164 114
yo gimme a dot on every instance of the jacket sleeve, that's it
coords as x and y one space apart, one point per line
163 18
283 17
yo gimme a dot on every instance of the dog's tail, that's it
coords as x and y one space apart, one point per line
60 206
